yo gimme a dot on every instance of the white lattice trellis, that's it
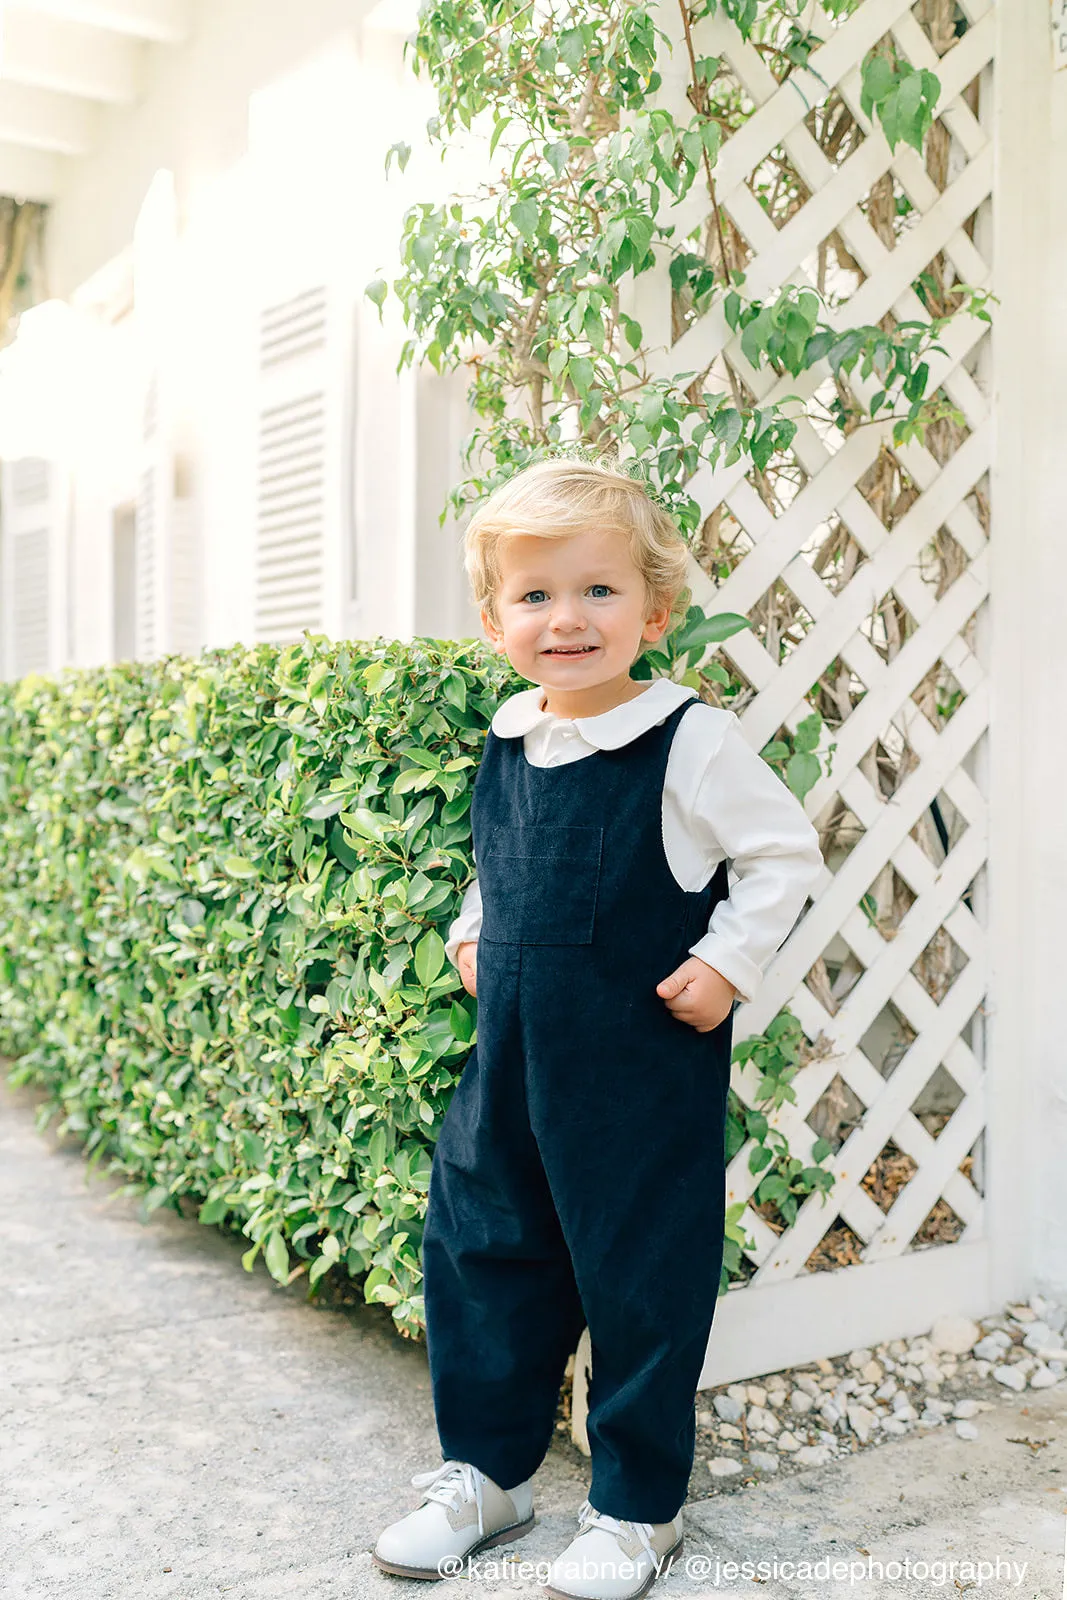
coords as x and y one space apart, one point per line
888 1034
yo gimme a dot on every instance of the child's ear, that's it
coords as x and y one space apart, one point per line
493 633
656 625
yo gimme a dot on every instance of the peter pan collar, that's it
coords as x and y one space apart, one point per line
608 731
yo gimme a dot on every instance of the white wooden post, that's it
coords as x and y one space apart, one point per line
166 544
1028 870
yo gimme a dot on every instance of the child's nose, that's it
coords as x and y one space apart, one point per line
567 612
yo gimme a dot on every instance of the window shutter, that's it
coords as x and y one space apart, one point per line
34 508
292 466
149 518
303 499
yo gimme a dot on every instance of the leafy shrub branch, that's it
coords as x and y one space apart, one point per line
526 280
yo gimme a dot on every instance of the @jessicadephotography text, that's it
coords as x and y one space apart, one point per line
704 1567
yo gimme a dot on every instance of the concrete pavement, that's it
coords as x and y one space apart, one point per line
171 1426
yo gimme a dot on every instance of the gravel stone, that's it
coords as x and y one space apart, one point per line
861 1421
762 1461
724 1467
801 1402
1042 1378
1010 1377
955 1334
813 1455
729 1409
966 1430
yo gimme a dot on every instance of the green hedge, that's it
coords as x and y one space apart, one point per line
224 886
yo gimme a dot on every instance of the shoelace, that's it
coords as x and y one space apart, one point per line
451 1483
588 1518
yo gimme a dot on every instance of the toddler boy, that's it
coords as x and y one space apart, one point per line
579 1174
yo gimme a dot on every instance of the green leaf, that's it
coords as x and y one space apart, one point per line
557 155
367 823
632 331
525 215
571 44
240 867
802 773
429 957
462 1024
580 369
319 1266
276 1256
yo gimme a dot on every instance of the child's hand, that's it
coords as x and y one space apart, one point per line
467 965
697 994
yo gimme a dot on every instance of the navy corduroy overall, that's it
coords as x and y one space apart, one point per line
579 1174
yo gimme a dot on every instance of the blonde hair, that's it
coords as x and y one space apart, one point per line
557 498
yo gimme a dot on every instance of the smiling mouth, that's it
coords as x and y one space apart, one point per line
570 650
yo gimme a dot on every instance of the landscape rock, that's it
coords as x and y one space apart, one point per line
729 1409
861 1422
959 1335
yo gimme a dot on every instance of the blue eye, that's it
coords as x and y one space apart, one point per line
529 592
606 586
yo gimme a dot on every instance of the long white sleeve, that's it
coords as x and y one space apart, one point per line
468 923
744 811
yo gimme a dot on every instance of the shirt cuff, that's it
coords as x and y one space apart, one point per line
466 926
736 968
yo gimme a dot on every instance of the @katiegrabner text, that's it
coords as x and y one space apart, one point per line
709 1568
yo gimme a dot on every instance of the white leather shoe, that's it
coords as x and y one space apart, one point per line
610 1559
462 1512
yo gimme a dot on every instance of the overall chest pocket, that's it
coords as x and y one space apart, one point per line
539 883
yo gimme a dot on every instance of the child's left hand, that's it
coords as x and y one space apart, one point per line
697 994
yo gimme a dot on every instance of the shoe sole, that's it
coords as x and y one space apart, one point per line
516 1530
665 1566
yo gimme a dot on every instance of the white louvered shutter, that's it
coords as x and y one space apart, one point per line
307 281
150 522
303 457
34 513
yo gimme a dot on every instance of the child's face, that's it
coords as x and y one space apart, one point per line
583 591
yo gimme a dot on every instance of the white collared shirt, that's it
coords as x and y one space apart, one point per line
720 800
